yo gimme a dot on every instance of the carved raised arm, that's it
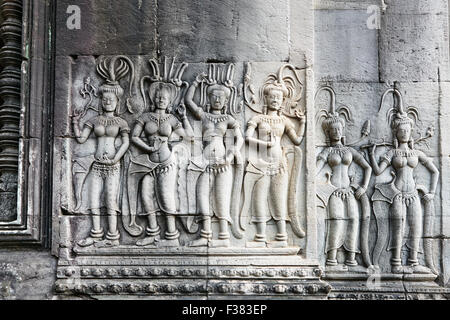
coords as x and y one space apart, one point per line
377 169
189 99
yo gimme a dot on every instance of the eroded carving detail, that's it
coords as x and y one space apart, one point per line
156 170
397 205
340 194
104 168
267 187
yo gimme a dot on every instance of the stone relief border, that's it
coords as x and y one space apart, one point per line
25 130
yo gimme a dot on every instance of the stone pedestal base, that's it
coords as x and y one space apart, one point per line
190 272
383 286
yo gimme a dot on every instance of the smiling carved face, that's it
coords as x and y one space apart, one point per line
162 99
218 99
274 99
335 131
109 101
403 133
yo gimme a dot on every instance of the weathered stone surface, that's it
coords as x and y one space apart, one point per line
347 50
107 27
414 41
229 30
26 274
249 203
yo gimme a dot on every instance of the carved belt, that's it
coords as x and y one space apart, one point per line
343 193
217 168
407 197
105 170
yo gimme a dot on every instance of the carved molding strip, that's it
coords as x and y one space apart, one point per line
10 90
24 125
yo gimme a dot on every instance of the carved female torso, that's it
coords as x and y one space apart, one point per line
271 128
158 127
404 163
106 129
339 158
214 129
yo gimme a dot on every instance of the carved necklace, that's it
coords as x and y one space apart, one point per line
340 150
216 118
405 153
107 121
159 120
271 119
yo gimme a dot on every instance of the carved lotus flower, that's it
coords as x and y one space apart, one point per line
69 272
84 272
223 288
97 272
171 272
259 288
244 288
115 288
270 273
187 288
286 273
126 271
80 288
98 288
133 288
280 288
170 288
243 273
140 272
151 288
186 272
312 289
111 272
298 288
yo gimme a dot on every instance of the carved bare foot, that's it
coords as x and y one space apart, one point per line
277 244
201 242
351 263
336 268
220 243
255 244
106 243
89 241
147 241
420 269
397 269
166 243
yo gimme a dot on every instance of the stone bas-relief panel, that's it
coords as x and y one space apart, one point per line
395 226
188 167
189 179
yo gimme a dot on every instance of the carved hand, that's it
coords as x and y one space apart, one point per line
428 197
372 151
76 115
105 160
359 192
181 111
300 115
200 77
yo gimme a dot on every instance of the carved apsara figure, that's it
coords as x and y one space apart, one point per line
399 201
216 186
104 168
341 195
267 188
156 170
